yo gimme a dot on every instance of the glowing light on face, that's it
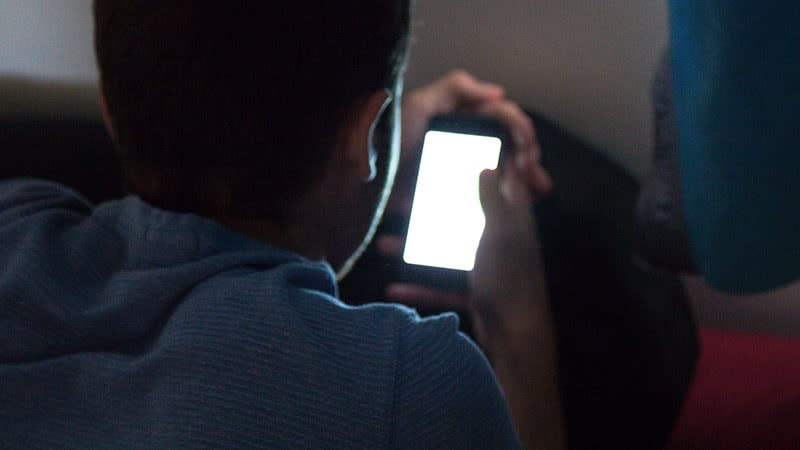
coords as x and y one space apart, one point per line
447 221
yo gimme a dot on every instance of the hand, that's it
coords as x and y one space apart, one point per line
508 302
456 92
512 314
507 284
417 296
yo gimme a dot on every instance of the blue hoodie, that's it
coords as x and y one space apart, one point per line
126 326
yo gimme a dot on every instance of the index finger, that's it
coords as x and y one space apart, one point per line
518 122
459 89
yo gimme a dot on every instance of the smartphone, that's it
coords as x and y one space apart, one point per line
447 221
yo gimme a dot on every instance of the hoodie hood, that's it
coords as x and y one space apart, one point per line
75 279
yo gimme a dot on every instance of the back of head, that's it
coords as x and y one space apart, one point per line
231 108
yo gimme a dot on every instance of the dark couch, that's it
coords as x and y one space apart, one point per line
77 153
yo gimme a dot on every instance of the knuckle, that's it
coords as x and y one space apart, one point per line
460 77
515 110
510 111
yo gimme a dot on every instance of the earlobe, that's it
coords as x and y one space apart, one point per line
106 113
360 152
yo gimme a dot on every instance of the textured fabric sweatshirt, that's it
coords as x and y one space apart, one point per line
125 326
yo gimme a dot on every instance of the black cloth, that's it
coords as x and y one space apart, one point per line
626 335
76 153
661 233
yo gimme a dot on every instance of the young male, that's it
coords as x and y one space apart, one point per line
202 310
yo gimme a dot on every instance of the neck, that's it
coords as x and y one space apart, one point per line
287 236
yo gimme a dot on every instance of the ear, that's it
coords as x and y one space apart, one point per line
107 120
357 152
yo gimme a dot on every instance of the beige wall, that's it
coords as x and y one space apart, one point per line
775 312
586 64
46 58
47 39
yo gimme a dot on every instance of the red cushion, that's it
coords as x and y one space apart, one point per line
746 394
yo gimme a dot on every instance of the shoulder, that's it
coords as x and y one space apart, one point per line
447 395
20 198
437 387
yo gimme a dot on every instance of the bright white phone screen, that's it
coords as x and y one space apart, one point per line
447 221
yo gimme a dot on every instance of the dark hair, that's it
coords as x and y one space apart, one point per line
232 107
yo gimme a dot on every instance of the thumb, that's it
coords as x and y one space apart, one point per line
491 195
